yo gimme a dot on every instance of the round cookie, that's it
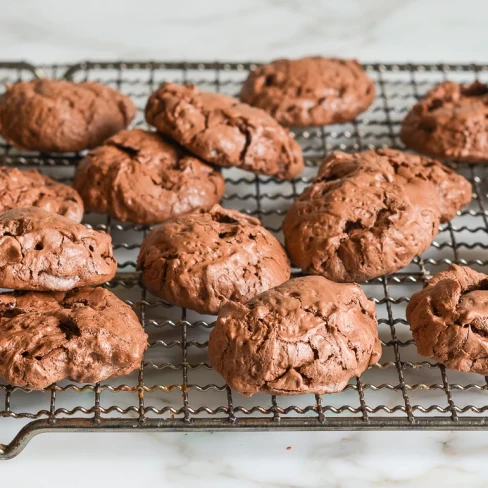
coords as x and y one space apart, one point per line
359 219
29 188
449 319
138 176
308 335
223 131
43 251
450 123
204 259
62 116
85 335
310 91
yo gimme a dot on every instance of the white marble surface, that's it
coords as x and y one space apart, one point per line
387 30
334 459
383 30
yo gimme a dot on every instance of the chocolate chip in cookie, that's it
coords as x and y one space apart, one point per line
86 335
62 116
140 177
43 251
310 91
308 335
450 122
204 259
29 188
223 131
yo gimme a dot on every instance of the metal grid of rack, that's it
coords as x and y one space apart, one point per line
176 388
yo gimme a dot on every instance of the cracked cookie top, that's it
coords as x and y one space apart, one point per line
221 130
62 116
308 335
204 259
86 335
138 176
365 215
29 188
43 251
453 190
450 122
310 91
449 319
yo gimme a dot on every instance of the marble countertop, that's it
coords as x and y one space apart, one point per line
243 460
383 30
371 30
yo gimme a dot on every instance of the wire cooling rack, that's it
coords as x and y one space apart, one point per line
176 388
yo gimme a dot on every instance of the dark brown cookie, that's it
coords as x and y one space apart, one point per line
449 319
61 116
138 176
86 335
223 131
308 335
43 251
450 122
29 188
310 91
360 218
204 259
